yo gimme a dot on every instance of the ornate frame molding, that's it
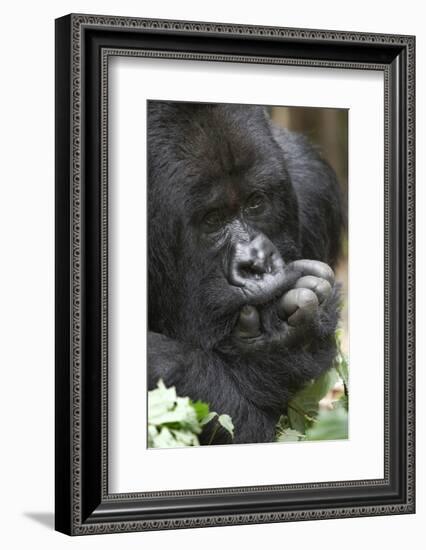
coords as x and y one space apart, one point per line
74 503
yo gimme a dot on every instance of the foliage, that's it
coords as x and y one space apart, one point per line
177 421
305 420
341 363
331 424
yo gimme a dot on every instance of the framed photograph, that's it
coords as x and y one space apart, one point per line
234 274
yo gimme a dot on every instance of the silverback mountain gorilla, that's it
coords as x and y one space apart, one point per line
243 233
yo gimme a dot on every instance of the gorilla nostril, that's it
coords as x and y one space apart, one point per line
252 261
258 265
254 268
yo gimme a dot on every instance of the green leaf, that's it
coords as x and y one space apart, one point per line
176 421
226 422
163 438
329 425
201 409
341 362
166 438
289 435
152 435
283 423
185 438
160 401
208 418
301 413
303 408
182 414
324 384
165 408
342 402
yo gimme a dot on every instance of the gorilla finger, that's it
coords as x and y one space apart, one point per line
321 287
299 304
315 268
248 325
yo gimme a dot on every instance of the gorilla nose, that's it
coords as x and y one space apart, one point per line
258 263
252 260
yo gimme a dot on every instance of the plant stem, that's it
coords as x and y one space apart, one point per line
213 432
302 412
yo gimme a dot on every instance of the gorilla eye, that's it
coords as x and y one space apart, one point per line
255 203
212 220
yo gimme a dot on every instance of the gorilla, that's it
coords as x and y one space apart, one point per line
244 225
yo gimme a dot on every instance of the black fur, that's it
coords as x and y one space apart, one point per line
199 155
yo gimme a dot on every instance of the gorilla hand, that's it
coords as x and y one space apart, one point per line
301 303
312 284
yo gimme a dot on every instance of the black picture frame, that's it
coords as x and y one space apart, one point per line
83 504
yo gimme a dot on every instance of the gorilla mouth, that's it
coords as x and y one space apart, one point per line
274 310
263 289
262 309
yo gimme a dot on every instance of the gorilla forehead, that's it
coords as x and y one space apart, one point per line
213 148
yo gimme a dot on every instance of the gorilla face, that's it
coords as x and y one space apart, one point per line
224 231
